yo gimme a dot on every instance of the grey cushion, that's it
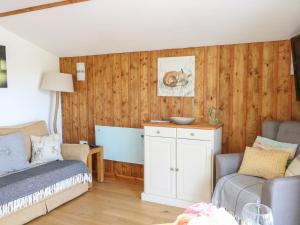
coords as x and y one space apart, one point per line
289 131
12 153
235 190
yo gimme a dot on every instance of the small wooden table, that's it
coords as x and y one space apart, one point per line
98 151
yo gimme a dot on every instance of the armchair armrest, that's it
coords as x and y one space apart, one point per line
75 152
283 196
227 164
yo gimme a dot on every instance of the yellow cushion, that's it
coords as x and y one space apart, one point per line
267 164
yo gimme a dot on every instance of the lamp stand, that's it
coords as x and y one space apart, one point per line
56 112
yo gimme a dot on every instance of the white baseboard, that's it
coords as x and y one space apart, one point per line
166 201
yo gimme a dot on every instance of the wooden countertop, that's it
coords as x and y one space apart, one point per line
201 125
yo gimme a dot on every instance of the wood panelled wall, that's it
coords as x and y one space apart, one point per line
249 83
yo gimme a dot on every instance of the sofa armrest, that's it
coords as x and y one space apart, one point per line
227 164
75 152
282 195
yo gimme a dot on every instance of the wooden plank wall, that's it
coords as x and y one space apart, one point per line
249 83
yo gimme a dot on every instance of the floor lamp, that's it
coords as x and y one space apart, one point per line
58 82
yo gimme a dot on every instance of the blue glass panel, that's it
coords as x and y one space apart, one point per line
121 144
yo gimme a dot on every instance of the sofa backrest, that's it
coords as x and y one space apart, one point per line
38 128
284 131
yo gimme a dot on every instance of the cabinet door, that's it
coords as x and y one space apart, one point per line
194 177
160 174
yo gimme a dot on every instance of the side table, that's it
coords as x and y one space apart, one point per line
98 151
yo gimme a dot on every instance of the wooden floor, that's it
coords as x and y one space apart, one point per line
110 203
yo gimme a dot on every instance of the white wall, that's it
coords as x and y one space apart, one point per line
23 101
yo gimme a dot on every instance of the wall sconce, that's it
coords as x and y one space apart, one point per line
80 68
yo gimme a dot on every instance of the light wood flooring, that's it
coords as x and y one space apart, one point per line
110 203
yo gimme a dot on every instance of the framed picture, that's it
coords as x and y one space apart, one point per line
3 69
176 76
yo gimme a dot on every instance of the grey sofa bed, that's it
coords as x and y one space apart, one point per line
234 190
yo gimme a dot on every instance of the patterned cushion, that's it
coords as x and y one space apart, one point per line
294 168
267 164
45 148
12 153
269 144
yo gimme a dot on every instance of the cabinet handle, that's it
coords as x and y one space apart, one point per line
177 169
192 134
157 131
172 169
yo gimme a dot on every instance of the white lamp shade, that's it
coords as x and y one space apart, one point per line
62 82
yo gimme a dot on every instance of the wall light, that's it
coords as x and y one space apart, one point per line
80 68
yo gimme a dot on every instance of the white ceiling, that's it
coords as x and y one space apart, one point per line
108 26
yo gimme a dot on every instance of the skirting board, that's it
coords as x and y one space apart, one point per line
166 201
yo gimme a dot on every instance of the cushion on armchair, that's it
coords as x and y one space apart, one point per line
267 164
294 168
269 144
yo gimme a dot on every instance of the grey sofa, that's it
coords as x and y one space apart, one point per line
281 194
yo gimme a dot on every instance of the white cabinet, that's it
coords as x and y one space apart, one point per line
179 164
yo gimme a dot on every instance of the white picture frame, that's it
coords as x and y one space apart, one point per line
176 76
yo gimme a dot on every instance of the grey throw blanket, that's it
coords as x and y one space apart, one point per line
234 191
34 184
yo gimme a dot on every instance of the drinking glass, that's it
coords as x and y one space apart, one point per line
257 214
